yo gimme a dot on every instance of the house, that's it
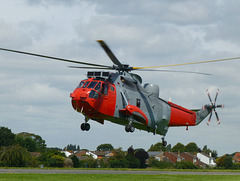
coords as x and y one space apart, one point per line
189 157
236 158
85 153
207 159
67 153
100 154
173 157
158 155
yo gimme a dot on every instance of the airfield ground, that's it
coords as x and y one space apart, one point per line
77 174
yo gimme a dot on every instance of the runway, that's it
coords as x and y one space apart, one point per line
83 171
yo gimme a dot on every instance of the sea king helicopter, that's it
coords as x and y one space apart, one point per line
120 97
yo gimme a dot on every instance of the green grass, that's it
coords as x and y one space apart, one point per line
125 177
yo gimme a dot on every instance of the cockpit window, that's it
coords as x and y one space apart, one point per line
85 85
98 87
80 84
92 84
104 89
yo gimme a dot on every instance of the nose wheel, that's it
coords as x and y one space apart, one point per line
85 126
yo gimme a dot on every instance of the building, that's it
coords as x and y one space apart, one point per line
236 158
207 159
158 155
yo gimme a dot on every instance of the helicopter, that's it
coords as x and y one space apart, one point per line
120 97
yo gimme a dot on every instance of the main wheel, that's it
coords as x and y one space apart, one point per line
164 143
85 126
82 126
127 129
132 128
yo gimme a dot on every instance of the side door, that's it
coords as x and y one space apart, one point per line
108 99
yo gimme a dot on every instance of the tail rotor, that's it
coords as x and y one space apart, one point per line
213 107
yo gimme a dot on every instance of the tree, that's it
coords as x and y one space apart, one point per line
133 162
224 162
75 160
6 137
206 150
90 162
118 160
105 147
228 164
30 141
47 154
159 147
14 156
178 147
26 142
191 147
56 161
142 155
72 147
214 154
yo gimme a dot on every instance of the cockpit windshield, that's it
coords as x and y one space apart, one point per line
92 84
85 85
81 84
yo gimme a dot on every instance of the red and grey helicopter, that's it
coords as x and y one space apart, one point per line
121 98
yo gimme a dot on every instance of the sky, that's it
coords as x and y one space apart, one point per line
35 92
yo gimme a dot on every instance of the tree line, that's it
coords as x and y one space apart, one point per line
29 150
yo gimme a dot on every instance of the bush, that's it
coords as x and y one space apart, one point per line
75 160
185 165
14 156
159 164
119 163
56 161
89 163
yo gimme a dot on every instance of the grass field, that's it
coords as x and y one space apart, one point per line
61 177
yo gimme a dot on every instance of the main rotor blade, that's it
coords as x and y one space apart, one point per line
189 63
54 58
109 53
179 71
105 68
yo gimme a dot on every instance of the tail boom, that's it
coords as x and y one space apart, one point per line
181 116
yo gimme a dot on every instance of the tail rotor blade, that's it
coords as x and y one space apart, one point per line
209 119
216 96
209 97
217 116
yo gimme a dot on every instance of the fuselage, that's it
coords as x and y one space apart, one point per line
120 98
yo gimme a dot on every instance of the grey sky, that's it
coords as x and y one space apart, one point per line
34 92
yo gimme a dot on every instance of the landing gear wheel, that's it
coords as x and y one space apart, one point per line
164 143
85 127
132 128
129 128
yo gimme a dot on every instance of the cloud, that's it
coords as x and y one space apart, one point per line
34 92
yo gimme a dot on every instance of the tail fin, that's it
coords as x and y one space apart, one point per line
202 114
